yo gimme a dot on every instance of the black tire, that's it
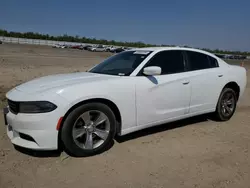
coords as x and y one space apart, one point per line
67 139
219 113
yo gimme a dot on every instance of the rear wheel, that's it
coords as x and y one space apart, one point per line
226 104
88 130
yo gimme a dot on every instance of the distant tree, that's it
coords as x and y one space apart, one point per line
67 38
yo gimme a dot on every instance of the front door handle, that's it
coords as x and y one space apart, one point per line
220 75
185 83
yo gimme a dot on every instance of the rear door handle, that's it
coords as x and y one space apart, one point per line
220 75
185 83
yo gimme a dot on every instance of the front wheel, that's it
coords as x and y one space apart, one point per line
88 130
226 104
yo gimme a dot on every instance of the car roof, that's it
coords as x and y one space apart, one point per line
158 49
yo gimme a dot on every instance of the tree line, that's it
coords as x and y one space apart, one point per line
68 38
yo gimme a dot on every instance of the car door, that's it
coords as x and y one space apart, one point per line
165 96
205 78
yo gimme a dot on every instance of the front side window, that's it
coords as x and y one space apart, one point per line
122 64
170 61
199 61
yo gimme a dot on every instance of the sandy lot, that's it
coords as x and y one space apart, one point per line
197 152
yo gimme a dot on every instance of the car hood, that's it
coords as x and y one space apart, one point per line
60 81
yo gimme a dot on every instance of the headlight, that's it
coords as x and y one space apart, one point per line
36 107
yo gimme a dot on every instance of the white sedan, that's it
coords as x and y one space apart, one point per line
127 92
98 49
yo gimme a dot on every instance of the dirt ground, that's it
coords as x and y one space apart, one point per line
191 153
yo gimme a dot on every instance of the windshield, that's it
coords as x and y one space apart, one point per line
122 64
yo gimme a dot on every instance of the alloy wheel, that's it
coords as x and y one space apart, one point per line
228 103
91 129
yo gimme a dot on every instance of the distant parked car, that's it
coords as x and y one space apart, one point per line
81 47
59 46
117 50
127 92
1 42
76 46
55 46
86 47
110 48
99 48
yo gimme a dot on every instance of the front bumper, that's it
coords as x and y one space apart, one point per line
33 131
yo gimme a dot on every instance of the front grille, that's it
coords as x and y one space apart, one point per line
13 106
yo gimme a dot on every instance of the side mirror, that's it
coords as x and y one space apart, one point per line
152 70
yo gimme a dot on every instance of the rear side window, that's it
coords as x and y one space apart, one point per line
170 61
197 61
213 62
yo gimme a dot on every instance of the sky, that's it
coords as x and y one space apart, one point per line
222 24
